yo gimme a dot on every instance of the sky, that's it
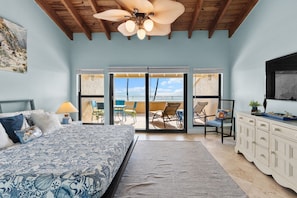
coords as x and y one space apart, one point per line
168 88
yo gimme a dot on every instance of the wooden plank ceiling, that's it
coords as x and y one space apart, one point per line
76 16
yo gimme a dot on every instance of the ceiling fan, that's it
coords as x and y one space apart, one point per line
144 17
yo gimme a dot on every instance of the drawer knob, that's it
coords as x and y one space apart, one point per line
262 155
262 138
277 129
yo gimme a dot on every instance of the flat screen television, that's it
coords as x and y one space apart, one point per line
281 78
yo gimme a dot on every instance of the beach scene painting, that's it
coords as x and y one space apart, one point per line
13 47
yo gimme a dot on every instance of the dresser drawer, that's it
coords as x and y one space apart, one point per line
247 120
262 138
284 132
262 155
263 125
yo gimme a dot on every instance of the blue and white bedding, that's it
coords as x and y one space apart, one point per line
73 161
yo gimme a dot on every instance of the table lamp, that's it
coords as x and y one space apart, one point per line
66 108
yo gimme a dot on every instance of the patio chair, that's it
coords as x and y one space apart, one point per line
97 110
131 110
222 119
168 113
199 111
119 109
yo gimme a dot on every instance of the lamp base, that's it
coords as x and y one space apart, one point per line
66 120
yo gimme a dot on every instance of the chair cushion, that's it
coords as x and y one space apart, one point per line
218 123
214 123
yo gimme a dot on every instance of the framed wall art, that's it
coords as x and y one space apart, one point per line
13 47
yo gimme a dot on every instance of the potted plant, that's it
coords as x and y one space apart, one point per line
254 104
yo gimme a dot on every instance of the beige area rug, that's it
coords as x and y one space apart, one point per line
175 169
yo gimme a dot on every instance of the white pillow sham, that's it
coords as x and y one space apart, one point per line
47 122
5 141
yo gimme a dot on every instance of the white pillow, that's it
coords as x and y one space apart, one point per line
46 121
5 141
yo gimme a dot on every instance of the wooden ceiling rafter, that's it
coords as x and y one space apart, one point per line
101 22
76 16
218 17
195 17
68 5
240 19
52 14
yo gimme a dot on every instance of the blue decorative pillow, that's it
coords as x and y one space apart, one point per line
28 134
12 124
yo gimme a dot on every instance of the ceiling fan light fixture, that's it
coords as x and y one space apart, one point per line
130 25
141 34
144 17
148 25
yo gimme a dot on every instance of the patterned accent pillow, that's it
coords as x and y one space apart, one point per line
222 113
28 134
12 124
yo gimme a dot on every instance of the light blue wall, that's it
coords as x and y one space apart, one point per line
269 32
48 78
199 51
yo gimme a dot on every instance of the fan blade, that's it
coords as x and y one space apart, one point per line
143 6
160 30
166 11
122 28
113 15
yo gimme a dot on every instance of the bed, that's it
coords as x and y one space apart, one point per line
69 161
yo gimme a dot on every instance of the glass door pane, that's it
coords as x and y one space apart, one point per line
91 98
166 106
129 99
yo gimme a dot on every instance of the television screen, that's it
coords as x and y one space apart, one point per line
281 78
286 85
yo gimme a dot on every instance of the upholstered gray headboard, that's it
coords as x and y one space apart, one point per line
16 105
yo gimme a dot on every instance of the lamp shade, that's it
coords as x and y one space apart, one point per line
148 25
141 34
67 107
130 26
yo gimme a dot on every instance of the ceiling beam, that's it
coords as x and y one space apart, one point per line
52 14
102 23
195 17
240 19
77 18
218 17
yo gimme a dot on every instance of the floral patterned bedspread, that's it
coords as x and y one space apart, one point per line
75 161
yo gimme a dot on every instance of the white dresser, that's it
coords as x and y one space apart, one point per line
270 144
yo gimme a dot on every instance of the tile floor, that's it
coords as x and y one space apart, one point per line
245 174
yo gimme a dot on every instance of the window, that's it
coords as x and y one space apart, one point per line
91 98
206 91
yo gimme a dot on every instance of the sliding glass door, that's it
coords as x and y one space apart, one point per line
166 101
141 100
128 104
